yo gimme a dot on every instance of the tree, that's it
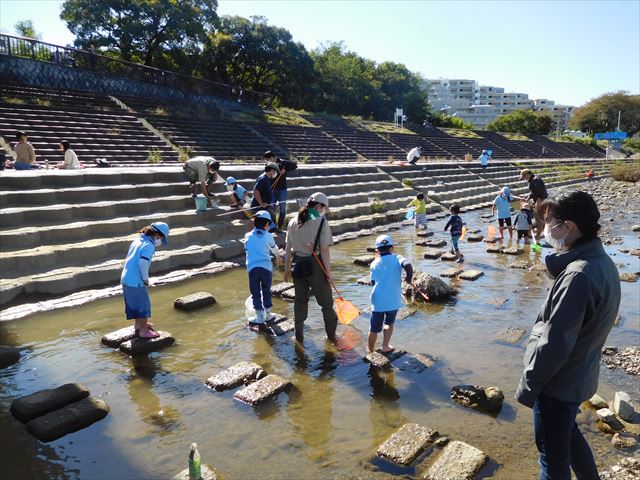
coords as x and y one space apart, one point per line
522 121
139 30
448 121
601 114
400 87
25 28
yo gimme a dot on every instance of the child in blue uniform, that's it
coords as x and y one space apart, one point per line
503 205
238 192
386 296
135 277
259 246
455 222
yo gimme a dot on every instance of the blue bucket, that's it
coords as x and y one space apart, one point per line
201 203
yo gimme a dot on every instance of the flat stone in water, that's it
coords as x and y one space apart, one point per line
458 461
138 346
288 295
364 280
280 288
483 399
407 443
377 360
448 257
470 274
364 260
262 390
494 249
450 272
68 419
511 335
393 355
8 356
115 339
487 215
40 403
241 373
194 301
405 312
433 253
512 251
371 249
424 234
206 473
475 237
629 277
417 363
431 243
491 240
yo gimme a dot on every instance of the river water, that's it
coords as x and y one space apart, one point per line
339 412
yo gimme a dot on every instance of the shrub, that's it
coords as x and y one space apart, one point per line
626 172
407 182
632 145
159 111
184 152
377 206
154 156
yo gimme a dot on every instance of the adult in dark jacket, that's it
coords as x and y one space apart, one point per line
537 194
280 184
263 193
562 358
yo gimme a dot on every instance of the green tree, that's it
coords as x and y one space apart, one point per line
400 87
447 121
522 121
25 28
139 30
601 114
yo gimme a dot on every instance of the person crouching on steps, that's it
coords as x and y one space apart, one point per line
135 277
259 246
420 213
455 222
237 192
386 296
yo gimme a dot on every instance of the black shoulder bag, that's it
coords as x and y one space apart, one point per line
304 266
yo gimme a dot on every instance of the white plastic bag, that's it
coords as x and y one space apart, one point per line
248 308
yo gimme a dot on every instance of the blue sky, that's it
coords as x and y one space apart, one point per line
567 51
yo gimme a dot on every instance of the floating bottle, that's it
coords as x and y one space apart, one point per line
195 472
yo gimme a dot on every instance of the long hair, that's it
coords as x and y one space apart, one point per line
303 213
65 145
148 230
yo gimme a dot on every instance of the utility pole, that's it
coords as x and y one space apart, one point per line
619 114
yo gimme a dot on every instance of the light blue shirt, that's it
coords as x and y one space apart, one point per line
386 272
504 208
259 245
239 191
141 248
484 159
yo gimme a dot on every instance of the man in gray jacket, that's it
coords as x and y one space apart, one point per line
562 358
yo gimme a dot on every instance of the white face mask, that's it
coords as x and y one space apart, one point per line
558 243
229 188
157 242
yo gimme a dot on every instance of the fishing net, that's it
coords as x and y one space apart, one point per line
347 311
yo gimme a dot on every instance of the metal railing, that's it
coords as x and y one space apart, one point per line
89 60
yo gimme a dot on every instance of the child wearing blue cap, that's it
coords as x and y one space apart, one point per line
238 192
386 295
135 277
259 246
503 204
456 223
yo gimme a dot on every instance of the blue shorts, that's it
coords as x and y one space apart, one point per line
454 242
378 318
137 303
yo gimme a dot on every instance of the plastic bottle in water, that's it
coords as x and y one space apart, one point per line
195 472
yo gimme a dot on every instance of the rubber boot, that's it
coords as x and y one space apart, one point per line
268 316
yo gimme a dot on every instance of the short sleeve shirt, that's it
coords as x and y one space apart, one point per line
484 159
386 272
199 166
413 153
258 244
503 206
263 185
239 191
140 248
299 237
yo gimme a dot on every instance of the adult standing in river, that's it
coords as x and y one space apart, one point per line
537 194
310 228
279 186
562 358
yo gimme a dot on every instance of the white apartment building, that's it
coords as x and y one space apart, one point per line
480 104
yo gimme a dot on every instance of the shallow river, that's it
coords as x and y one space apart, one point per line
339 412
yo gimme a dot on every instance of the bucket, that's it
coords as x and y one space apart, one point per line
201 203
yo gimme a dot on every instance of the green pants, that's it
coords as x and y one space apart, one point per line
317 285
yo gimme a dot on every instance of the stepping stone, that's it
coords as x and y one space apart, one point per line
433 253
623 406
68 419
262 390
629 277
8 356
194 301
364 280
431 243
458 461
138 346
491 240
450 272
371 249
494 249
475 237
115 339
405 312
487 215
417 363
394 355
471 274
407 443
598 402
448 257
511 335
512 251
288 295
377 360
364 260
206 473
277 327
527 265
280 288
635 251
241 373
40 403
483 399
424 234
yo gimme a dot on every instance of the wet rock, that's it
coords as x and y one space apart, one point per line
280 288
624 441
241 373
491 240
364 260
115 339
598 402
607 416
207 473
627 359
433 253
487 215
139 346
494 249
471 274
431 243
528 265
635 251
393 355
377 360
623 406
629 277
194 301
511 335
424 234
278 326
371 249
364 280
288 295
263 389
417 363
407 443
448 257
483 399
433 287
475 237
458 461
8 356
441 442
450 272
405 312
68 419
40 403
635 228
624 250
512 251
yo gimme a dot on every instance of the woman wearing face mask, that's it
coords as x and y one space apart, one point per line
308 230
562 358
135 277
